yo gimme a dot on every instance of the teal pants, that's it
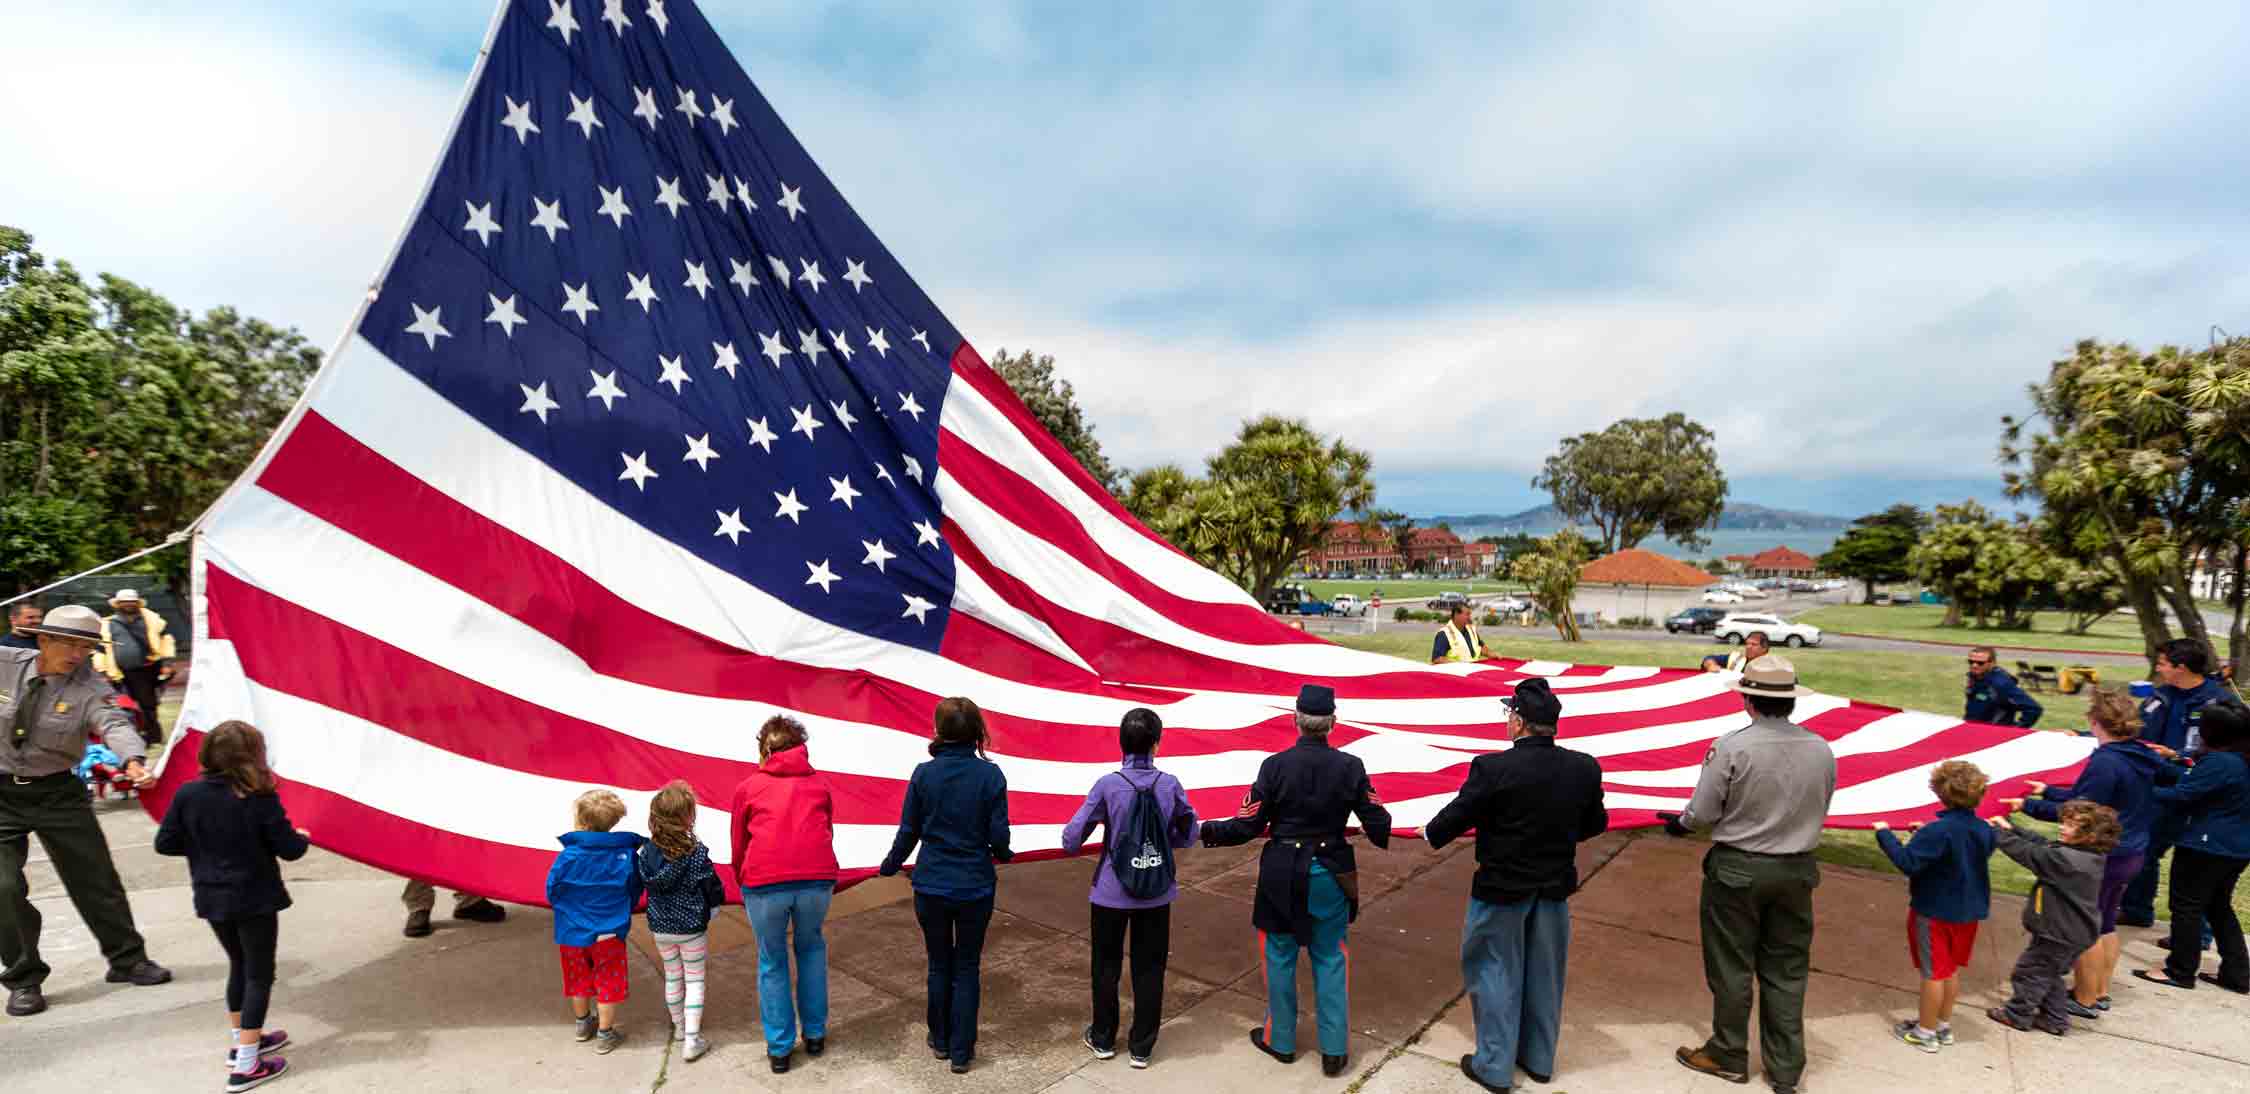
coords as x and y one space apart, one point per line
1331 915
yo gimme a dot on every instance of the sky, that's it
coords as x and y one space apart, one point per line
1844 239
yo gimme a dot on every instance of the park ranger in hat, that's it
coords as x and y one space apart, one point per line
1308 880
51 702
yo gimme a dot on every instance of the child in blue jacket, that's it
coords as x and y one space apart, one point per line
1949 892
593 887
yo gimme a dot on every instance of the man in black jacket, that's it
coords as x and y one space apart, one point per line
1308 879
1531 806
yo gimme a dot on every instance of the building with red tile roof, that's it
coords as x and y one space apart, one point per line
1353 548
1780 562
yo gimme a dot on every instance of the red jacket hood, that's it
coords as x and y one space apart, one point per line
789 763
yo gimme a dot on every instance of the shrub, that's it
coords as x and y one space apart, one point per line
1403 614
1491 619
1636 621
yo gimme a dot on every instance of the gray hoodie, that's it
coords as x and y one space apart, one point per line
2065 905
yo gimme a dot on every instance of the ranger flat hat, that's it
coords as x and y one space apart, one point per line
1318 700
1771 676
71 621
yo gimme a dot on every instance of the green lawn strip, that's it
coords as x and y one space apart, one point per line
1920 622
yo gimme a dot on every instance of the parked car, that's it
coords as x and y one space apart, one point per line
1444 602
1283 599
1721 596
1510 605
1695 620
1736 627
1347 604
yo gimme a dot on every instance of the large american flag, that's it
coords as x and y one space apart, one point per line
642 435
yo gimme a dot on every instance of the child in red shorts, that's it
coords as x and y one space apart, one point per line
593 887
1949 892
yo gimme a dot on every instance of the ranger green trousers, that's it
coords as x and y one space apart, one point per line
1758 925
57 811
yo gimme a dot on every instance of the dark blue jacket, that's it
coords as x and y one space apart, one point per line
2215 796
957 809
593 886
2123 775
2173 717
231 843
1944 864
676 904
1995 698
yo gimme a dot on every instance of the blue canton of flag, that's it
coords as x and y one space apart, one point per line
628 267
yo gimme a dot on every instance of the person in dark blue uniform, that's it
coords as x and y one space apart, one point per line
1993 695
2171 725
1308 880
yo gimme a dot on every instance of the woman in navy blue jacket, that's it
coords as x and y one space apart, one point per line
2211 854
957 809
230 824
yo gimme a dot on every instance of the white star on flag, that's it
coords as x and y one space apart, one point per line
580 301
841 490
907 405
640 290
644 106
656 15
808 343
717 192
582 115
504 313
770 346
791 202
426 324
855 272
537 401
613 205
731 526
880 341
698 280
743 277
806 423
519 119
811 275
884 473
560 18
742 194
790 506
699 449
727 360
722 112
668 195
638 470
821 575
550 217
481 222
760 434
843 415
923 337
674 373
842 342
613 13
877 554
913 468
780 268
605 388
925 534
916 607
687 104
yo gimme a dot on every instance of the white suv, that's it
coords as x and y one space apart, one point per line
1737 626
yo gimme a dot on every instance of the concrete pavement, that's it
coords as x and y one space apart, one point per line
474 1008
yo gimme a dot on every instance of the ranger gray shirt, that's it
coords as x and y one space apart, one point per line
1765 788
67 711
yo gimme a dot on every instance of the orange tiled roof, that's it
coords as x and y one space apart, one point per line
1634 566
1782 558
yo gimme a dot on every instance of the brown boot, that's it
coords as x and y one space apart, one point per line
1695 1059
417 924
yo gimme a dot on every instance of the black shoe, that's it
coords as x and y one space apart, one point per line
1536 1077
960 1067
25 1002
814 1046
2213 980
1469 1070
2159 976
483 911
1100 1052
2136 921
147 974
780 1063
1258 1038
938 1050
1333 1066
417 925
2001 1015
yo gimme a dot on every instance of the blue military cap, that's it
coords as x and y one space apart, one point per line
1316 699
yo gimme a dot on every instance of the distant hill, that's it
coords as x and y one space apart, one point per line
1740 516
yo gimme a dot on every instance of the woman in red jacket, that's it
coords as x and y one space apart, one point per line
785 861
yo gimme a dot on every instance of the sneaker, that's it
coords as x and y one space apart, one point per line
269 1067
147 974
960 1067
2001 1015
779 1064
607 1040
1945 1036
696 1047
586 1027
814 1046
1100 1053
271 1040
1910 1033
2102 1003
1139 1061
2077 1009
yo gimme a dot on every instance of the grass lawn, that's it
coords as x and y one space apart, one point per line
1914 681
1361 587
2116 634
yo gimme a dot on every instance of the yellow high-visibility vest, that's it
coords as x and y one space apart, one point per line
1460 647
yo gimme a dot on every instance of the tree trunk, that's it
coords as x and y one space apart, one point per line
1952 612
2235 599
2173 587
1870 590
2140 595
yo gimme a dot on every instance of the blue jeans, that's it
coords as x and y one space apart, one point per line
953 934
1331 915
1512 958
777 912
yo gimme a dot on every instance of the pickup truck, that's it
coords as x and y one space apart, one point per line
1295 599
1347 604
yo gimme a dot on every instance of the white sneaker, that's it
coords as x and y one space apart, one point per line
696 1047
1100 1053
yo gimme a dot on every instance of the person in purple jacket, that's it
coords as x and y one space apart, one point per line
1134 800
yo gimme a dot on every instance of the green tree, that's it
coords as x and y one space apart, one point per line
1052 400
2013 572
1874 549
1551 570
1639 477
55 376
2089 592
1262 502
1947 552
1512 546
2143 460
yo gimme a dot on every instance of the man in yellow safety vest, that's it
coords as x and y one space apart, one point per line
1458 641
